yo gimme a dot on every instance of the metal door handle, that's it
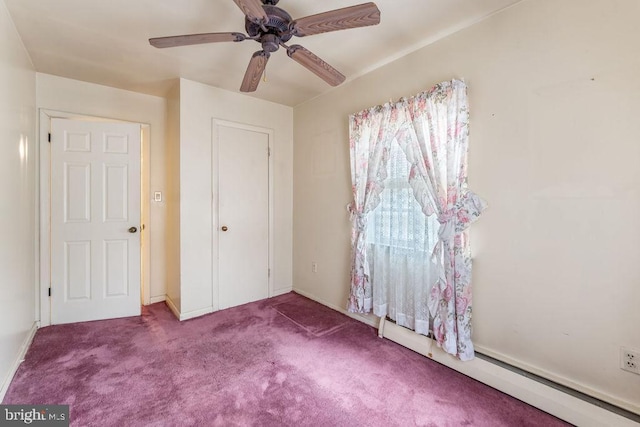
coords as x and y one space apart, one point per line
224 228
133 230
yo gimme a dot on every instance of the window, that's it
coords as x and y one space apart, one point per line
400 240
398 221
398 254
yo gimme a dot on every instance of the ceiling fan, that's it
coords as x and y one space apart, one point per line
272 27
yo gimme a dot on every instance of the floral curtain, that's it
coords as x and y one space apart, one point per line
433 130
436 145
370 135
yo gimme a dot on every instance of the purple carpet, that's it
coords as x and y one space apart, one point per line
287 361
311 316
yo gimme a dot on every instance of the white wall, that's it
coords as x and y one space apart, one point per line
73 96
17 187
554 149
172 196
199 104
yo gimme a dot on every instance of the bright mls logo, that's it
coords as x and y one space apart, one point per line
36 415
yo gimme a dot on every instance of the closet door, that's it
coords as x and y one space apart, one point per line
243 214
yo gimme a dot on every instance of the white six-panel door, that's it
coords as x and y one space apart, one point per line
243 213
95 220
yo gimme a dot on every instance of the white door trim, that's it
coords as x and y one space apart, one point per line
43 211
216 123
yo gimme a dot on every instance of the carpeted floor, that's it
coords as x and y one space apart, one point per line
287 361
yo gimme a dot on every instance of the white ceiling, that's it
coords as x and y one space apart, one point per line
105 41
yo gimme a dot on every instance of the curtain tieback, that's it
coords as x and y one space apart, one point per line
356 217
446 234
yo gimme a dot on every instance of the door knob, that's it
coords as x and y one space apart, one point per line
224 228
133 230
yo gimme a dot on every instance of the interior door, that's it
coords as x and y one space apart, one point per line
243 209
95 220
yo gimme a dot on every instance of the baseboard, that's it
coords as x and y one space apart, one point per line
562 405
196 313
201 312
157 299
188 315
628 406
368 319
279 292
172 307
19 359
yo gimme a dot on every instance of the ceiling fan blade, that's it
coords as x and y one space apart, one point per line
361 15
314 64
189 39
254 71
253 9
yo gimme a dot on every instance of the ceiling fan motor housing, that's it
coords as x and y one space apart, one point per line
278 25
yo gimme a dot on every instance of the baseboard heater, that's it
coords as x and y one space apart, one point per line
387 328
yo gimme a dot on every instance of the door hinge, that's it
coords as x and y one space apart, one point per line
49 137
268 151
49 291
269 273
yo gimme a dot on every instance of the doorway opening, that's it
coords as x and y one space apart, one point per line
71 281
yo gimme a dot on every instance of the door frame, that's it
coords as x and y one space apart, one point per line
215 220
43 209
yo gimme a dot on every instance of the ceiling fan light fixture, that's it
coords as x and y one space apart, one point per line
270 42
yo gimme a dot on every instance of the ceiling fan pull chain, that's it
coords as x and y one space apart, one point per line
264 76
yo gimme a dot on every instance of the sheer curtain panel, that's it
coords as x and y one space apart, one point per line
400 240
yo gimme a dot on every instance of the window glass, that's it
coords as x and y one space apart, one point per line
398 221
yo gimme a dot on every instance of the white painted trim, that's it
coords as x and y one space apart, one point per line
36 248
172 307
368 319
196 313
145 217
43 241
189 315
157 299
272 221
43 213
215 278
282 291
629 406
19 359
541 396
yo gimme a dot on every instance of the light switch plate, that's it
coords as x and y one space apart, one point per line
157 196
